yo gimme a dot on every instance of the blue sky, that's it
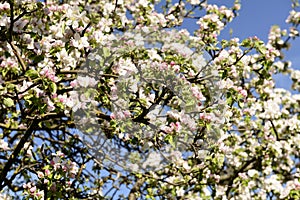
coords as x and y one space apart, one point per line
255 19
257 16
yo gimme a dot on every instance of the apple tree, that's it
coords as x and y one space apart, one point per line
116 100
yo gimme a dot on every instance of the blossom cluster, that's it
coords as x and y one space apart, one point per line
55 176
188 116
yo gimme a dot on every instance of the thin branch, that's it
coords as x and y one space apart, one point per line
14 155
20 59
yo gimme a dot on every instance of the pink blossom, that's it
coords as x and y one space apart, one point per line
74 83
64 168
297 184
4 6
244 93
25 86
86 81
33 189
73 168
50 104
49 73
3 145
168 129
112 116
198 94
22 126
47 171
19 25
53 96
79 42
40 193
202 115
176 68
243 175
205 116
163 66
62 98
52 162
60 154
126 113
176 126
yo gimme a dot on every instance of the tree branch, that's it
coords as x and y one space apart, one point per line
16 152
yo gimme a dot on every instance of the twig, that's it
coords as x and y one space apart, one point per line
20 59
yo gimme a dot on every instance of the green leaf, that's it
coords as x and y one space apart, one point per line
208 127
106 52
53 87
32 74
246 43
170 140
4 72
229 100
28 99
8 102
40 124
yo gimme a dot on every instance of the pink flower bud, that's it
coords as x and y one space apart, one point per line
33 189
244 93
202 115
47 171
52 162
127 113
74 83
112 116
